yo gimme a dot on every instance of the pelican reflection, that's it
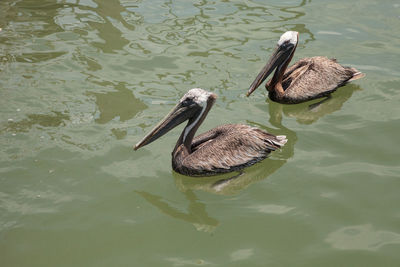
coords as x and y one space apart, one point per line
308 114
196 212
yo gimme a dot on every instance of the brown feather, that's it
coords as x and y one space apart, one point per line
225 148
311 78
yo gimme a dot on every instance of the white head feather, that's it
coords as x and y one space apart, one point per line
290 36
198 95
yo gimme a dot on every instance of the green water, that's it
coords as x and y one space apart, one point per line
82 81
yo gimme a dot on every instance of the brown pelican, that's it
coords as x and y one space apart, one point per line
308 78
226 148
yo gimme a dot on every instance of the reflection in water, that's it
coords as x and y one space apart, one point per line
229 184
306 113
297 14
110 12
196 214
17 18
121 104
299 27
38 56
45 120
27 11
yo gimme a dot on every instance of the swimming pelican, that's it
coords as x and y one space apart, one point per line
226 148
307 79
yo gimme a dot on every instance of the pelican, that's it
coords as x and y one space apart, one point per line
226 148
307 79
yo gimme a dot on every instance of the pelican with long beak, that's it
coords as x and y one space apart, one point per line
307 79
226 148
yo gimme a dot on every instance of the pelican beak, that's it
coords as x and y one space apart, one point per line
175 117
277 59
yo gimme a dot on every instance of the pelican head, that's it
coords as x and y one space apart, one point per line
282 53
193 106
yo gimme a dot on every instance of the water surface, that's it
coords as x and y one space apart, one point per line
82 81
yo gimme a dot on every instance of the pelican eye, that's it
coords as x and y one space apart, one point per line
285 44
188 101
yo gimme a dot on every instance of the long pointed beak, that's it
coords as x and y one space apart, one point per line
175 117
277 58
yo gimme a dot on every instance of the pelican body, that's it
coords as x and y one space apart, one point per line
226 148
307 79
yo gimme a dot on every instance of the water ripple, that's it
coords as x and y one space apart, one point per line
361 237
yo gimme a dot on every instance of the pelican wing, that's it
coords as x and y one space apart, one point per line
230 147
296 69
315 77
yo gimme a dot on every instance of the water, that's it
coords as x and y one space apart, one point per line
82 81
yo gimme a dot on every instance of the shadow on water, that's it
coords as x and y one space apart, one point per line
312 111
195 215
